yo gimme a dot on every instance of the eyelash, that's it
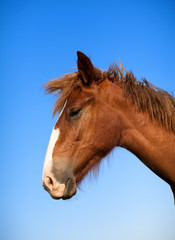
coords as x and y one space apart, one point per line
74 112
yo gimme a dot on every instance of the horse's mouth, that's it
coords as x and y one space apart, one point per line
69 191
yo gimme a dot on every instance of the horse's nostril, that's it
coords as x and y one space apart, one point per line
48 182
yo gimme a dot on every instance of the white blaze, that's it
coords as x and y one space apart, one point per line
62 109
53 139
48 158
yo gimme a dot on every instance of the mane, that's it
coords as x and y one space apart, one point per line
159 104
64 85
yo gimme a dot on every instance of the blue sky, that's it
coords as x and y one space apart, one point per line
39 40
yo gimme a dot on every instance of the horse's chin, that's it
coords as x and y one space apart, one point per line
63 197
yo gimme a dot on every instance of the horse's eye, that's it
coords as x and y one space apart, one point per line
74 112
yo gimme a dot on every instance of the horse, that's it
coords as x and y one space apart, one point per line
99 110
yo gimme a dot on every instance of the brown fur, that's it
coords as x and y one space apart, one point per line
159 104
105 109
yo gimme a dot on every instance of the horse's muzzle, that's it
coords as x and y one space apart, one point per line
59 190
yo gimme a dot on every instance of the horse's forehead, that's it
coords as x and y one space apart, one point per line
79 95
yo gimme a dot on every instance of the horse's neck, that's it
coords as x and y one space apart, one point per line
151 143
146 139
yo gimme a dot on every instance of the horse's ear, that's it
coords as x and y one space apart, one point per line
85 68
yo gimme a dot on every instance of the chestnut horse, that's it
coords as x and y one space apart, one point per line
100 110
